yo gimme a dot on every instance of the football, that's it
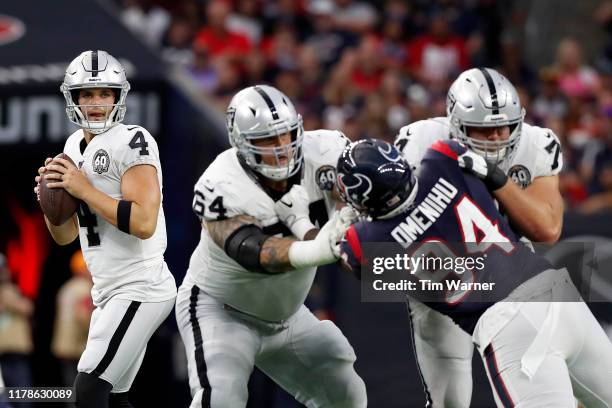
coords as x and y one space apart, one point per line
57 204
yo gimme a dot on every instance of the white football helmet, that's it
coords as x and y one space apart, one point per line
95 69
260 112
482 97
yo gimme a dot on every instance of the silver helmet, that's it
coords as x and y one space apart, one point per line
260 112
482 97
95 69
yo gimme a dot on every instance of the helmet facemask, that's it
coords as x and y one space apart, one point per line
254 154
263 112
483 98
114 112
493 151
95 70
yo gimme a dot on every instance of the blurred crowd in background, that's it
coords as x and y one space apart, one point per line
368 68
364 67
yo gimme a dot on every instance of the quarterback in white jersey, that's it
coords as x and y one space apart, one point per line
484 113
242 301
120 223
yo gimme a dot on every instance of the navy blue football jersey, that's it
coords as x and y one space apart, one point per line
454 210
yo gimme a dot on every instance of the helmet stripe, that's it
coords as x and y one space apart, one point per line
94 63
492 90
268 101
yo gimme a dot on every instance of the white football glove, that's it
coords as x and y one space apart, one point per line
343 219
493 177
325 248
292 210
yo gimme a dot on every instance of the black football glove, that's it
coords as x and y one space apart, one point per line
493 177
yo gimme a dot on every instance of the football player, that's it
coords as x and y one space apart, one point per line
537 353
483 112
241 303
120 223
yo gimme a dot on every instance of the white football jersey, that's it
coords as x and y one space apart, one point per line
537 154
225 190
121 264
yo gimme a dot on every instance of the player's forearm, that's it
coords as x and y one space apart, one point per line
142 218
274 255
220 231
539 218
63 234
243 240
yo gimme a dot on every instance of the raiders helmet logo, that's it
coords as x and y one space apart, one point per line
100 162
230 116
326 176
520 175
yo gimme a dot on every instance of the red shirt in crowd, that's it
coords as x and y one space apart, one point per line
218 43
436 59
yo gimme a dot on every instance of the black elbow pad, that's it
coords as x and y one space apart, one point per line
244 246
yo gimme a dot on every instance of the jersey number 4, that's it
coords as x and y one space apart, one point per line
88 220
138 141
479 232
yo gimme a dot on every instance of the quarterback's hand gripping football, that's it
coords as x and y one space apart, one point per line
67 176
493 177
37 179
292 210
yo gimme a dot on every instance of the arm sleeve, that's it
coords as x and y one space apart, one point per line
550 156
414 139
326 146
215 200
139 147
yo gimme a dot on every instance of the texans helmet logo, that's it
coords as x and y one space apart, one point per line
390 153
358 192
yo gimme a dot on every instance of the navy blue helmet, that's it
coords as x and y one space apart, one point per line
374 178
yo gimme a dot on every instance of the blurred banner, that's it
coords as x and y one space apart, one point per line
37 41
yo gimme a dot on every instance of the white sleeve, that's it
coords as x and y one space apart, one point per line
333 146
322 149
138 147
215 200
413 140
549 161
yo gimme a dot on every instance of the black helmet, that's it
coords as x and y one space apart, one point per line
374 178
